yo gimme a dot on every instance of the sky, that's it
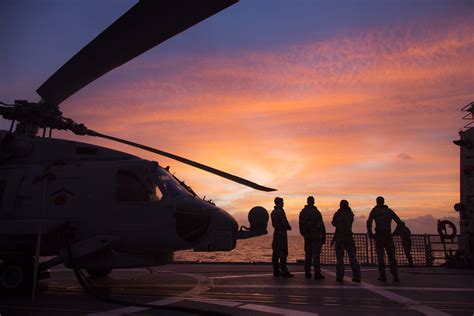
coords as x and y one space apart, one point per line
336 99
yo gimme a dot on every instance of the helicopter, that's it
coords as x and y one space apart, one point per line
94 208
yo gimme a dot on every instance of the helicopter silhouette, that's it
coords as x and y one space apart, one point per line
96 208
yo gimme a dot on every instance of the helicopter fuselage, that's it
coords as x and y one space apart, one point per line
122 210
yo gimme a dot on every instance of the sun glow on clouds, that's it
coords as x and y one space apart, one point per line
355 116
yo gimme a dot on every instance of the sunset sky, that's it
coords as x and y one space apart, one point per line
336 99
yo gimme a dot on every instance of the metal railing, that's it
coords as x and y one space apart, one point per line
426 250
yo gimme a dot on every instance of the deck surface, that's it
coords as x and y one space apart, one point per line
246 289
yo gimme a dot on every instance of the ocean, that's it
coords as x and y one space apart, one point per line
258 249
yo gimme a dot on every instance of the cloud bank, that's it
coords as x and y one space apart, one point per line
350 117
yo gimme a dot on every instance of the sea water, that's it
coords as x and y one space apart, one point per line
258 249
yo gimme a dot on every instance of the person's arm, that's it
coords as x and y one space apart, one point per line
287 224
277 221
396 218
369 224
335 219
283 221
301 224
323 229
324 234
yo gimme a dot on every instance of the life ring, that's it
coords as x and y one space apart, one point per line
443 232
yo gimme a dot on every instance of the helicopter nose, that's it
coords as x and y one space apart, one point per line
222 233
224 221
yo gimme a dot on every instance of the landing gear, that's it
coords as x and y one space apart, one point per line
98 273
16 274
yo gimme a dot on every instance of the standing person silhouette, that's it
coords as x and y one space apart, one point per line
280 240
404 232
314 232
342 220
383 217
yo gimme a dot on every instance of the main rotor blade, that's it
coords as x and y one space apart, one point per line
186 161
144 26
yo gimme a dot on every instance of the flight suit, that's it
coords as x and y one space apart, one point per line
405 235
343 220
383 217
280 239
314 232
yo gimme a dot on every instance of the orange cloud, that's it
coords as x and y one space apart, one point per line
350 117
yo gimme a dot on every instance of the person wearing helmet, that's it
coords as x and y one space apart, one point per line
280 240
405 235
343 220
383 216
314 232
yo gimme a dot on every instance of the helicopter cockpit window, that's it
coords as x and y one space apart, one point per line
170 184
133 186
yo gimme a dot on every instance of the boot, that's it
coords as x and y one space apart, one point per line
287 275
276 273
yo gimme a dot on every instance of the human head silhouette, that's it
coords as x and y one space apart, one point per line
310 200
279 201
344 204
380 201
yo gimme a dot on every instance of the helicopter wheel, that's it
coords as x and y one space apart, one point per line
16 275
98 273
